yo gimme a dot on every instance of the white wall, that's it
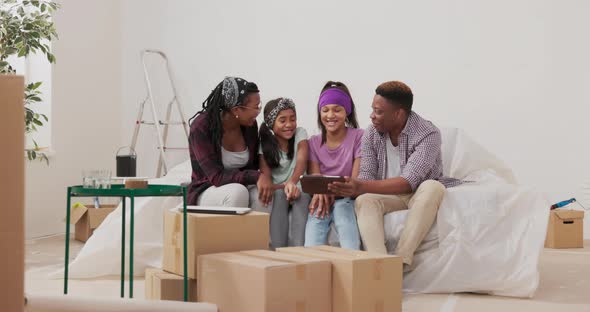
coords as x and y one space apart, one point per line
86 109
514 75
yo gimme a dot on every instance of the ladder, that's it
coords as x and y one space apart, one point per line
161 126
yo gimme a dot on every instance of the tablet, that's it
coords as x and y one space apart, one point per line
216 210
318 184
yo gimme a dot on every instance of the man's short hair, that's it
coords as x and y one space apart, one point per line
398 93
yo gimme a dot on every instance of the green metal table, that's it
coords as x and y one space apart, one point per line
118 190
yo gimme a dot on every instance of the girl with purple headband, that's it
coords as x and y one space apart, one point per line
336 152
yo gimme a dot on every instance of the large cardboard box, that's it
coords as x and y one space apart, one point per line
565 229
259 281
160 285
361 281
87 219
12 229
211 233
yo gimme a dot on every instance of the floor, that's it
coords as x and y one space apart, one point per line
565 282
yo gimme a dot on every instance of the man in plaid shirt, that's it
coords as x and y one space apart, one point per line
401 168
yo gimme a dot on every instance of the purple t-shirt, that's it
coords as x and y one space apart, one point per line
338 161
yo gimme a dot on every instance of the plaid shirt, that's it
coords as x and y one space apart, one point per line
208 169
419 149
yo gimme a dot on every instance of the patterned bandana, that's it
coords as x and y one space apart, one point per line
233 91
284 103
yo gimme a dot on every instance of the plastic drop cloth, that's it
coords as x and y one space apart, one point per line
487 238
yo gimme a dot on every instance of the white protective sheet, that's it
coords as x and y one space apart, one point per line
488 234
487 238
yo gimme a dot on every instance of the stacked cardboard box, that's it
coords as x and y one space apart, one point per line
260 281
210 233
12 190
160 285
565 229
361 281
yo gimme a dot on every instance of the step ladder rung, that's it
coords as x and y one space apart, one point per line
173 148
172 122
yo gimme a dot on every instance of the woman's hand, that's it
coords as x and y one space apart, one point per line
265 189
292 191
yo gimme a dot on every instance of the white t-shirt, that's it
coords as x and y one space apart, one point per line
234 160
393 166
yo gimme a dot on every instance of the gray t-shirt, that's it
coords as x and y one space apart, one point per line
284 171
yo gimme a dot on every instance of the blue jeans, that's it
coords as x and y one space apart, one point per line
344 217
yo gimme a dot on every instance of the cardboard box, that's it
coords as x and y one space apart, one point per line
88 219
160 285
12 192
211 233
260 281
565 229
361 281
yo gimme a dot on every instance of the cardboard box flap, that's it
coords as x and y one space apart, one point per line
321 254
97 215
77 212
281 256
568 214
251 261
351 252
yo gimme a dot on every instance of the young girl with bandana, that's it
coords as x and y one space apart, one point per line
336 152
283 156
223 147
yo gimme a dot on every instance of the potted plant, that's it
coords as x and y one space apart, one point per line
26 28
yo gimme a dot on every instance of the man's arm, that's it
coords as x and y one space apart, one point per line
422 160
368 161
391 186
420 163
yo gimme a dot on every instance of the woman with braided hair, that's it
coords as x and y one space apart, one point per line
223 146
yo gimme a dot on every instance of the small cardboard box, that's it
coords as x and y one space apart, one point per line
259 281
87 219
160 285
565 229
361 281
211 233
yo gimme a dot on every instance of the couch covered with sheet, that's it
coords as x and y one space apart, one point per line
487 238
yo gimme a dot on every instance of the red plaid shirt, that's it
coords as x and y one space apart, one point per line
208 169
419 153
